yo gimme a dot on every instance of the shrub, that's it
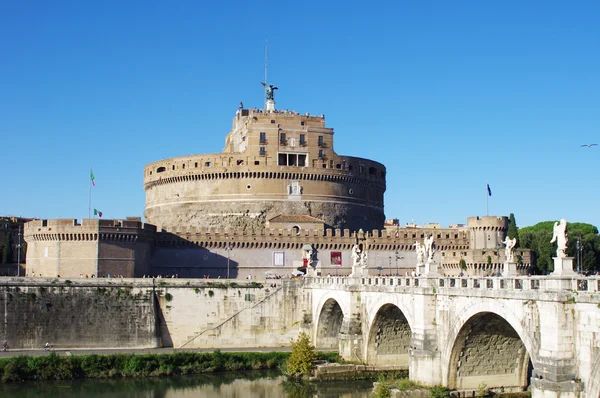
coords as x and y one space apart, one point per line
383 389
439 392
302 356
168 297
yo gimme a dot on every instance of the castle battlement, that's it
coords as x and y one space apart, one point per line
88 229
488 223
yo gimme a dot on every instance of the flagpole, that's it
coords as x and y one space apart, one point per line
90 197
487 197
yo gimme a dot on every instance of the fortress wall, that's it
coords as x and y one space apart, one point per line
196 262
116 258
42 258
76 257
74 316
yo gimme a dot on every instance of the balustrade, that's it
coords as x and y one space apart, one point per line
538 283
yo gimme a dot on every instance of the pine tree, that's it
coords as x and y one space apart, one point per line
7 250
513 230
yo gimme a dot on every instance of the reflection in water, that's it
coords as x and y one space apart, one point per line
259 384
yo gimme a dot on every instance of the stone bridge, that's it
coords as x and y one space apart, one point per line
509 333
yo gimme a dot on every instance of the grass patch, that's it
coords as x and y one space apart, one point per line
54 367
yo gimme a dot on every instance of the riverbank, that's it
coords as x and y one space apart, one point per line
54 367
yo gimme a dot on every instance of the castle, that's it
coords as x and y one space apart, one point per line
277 186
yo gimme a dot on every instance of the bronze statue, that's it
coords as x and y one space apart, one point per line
269 91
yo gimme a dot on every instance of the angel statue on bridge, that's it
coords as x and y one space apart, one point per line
559 236
509 249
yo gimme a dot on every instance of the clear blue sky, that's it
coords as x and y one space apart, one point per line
447 94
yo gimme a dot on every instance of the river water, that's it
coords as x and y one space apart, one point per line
260 384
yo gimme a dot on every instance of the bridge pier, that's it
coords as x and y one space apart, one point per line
350 338
556 369
424 355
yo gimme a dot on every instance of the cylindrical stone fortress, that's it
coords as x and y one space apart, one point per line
274 164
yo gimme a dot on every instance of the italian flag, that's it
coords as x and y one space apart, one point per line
92 178
96 212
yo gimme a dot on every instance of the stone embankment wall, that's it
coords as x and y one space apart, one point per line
141 313
76 315
221 314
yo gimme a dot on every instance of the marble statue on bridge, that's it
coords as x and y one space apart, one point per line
560 237
429 248
420 249
509 252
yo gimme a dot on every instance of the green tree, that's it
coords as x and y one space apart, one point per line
462 264
489 260
7 249
538 236
513 230
301 359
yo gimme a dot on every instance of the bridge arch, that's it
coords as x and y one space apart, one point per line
488 344
390 322
389 337
329 317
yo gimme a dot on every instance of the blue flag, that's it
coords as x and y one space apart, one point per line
489 190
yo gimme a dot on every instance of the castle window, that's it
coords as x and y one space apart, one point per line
350 167
263 138
256 162
161 169
296 230
183 166
262 151
321 142
196 164
351 191
301 123
338 166
272 121
302 160
240 162
248 186
361 168
302 139
208 164
282 159
372 170
173 167
294 188
282 139
278 259
321 154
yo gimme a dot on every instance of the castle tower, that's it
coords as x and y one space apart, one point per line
487 232
275 163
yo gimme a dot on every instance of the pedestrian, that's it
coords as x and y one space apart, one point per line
5 346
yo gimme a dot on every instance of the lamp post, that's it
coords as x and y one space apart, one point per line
578 258
19 253
398 257
228 248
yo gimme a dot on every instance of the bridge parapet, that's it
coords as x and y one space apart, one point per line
456 285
